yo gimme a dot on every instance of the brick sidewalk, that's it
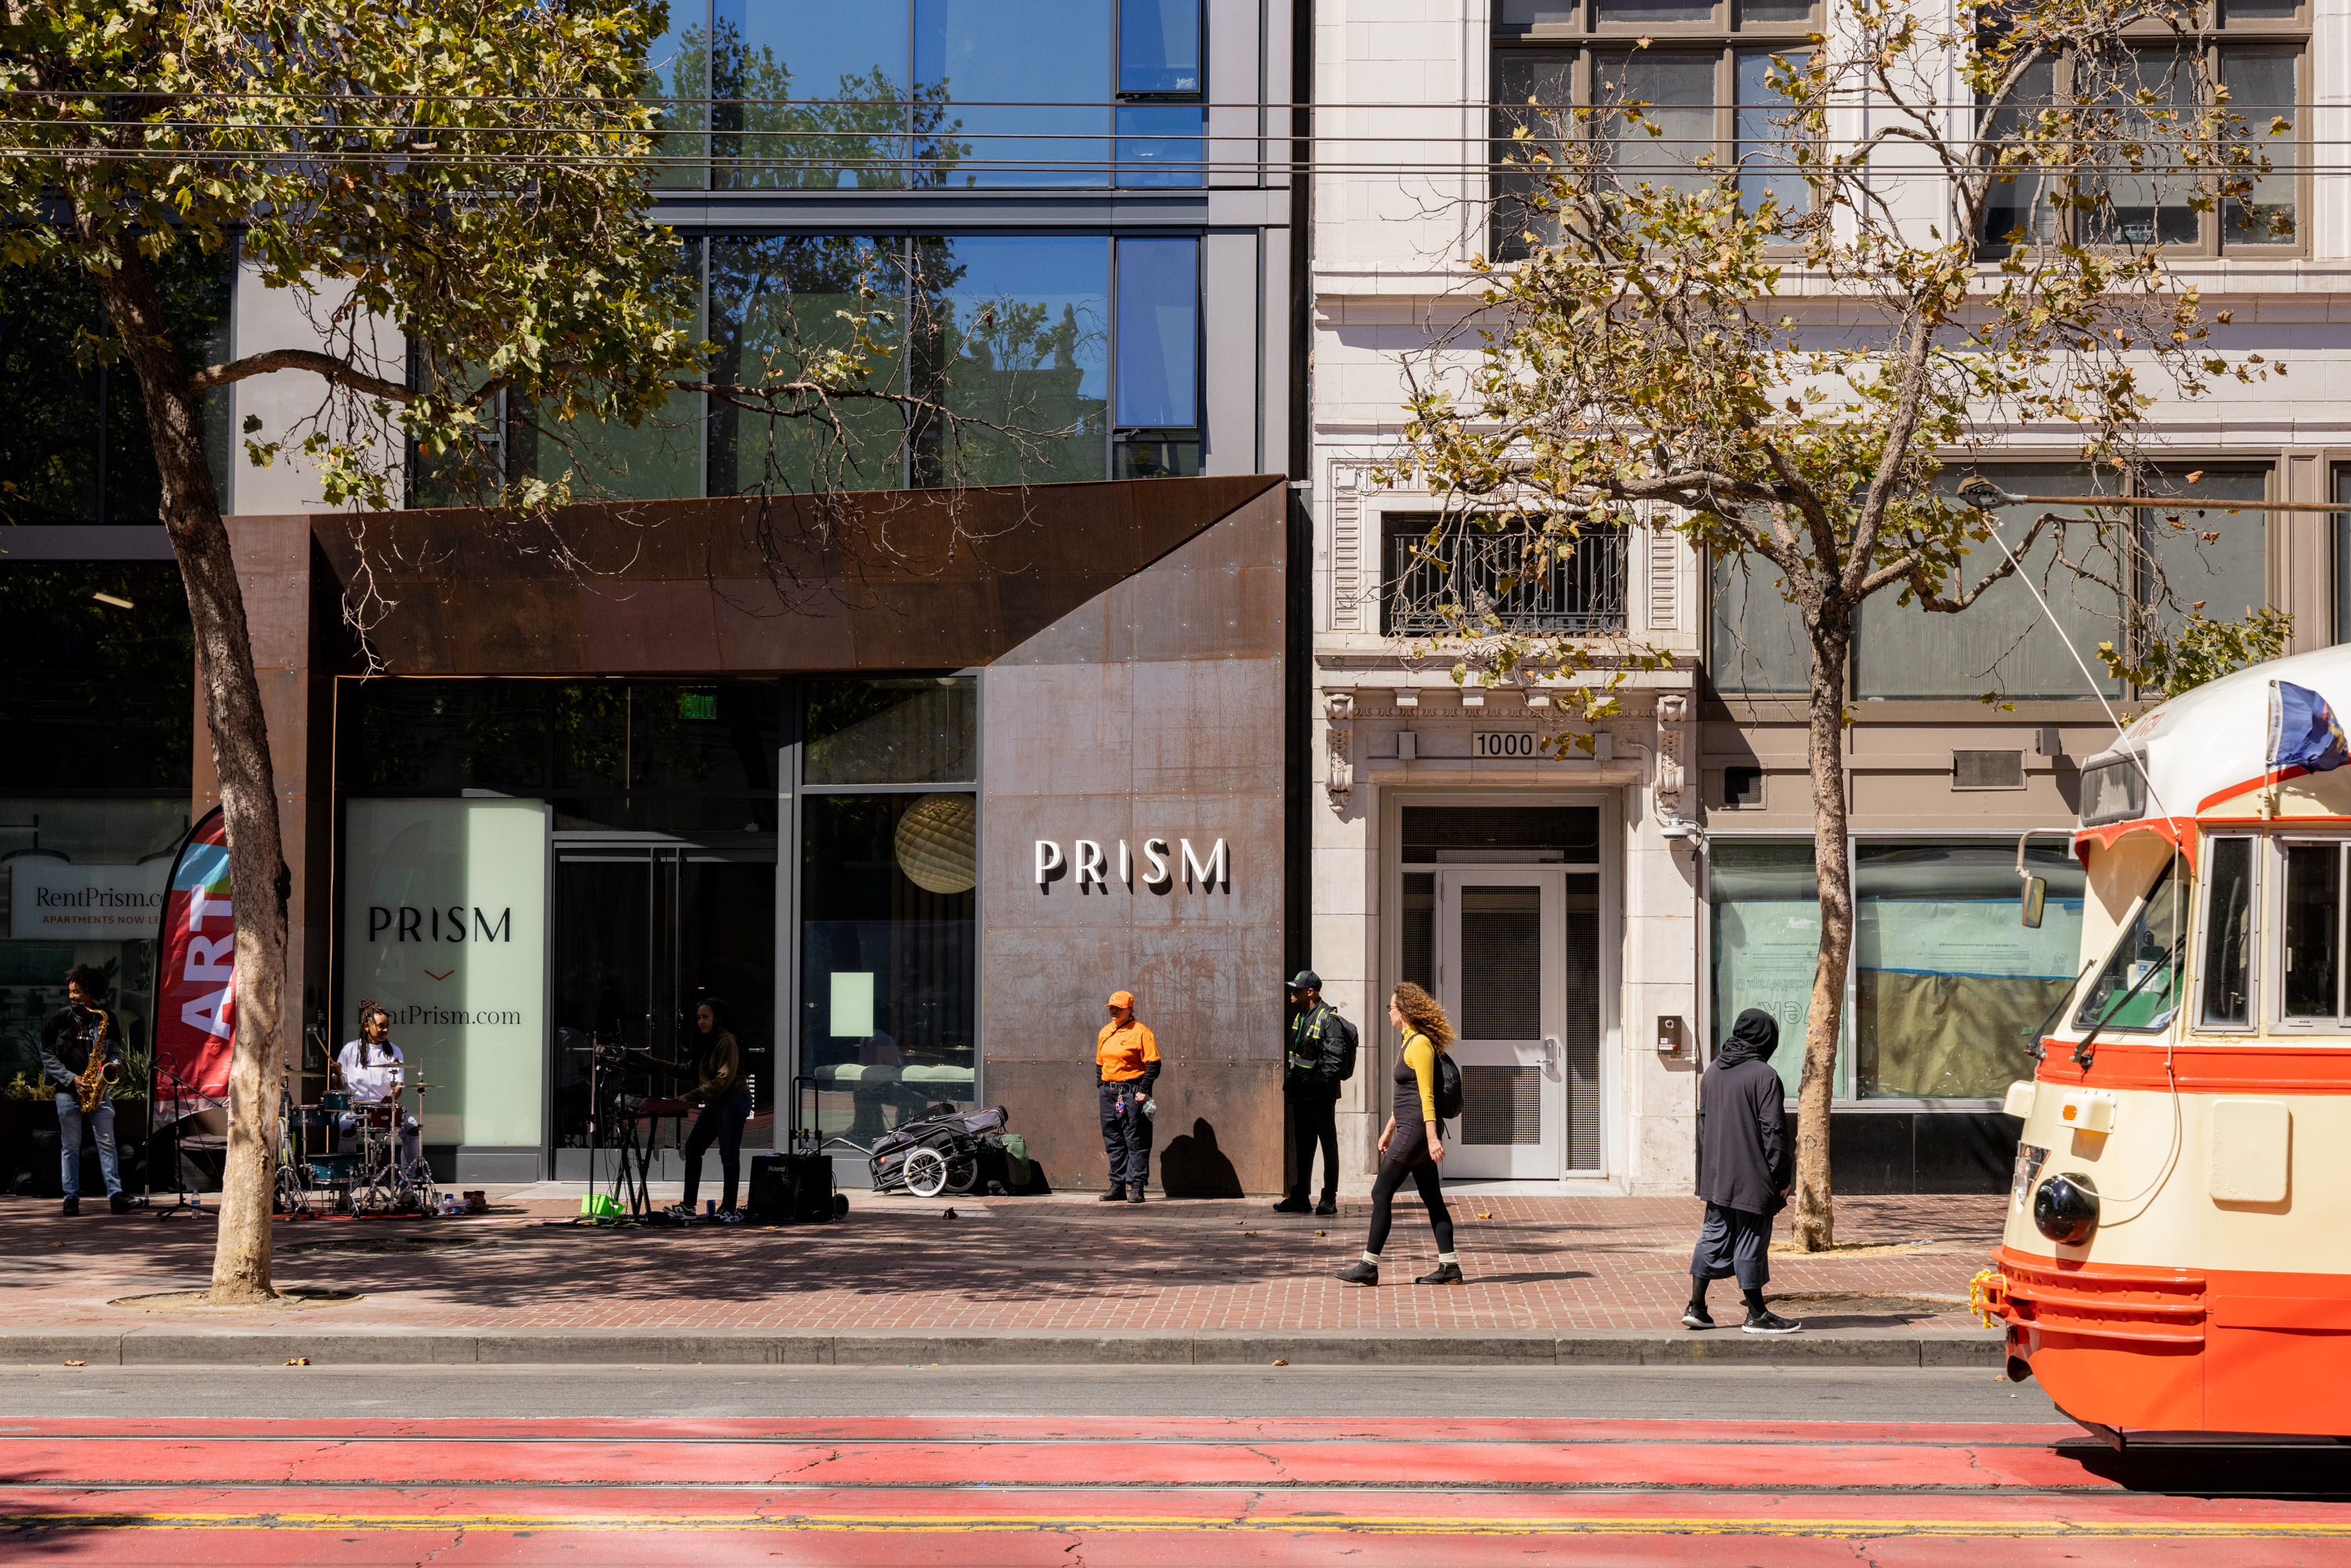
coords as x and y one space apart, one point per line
1570 1264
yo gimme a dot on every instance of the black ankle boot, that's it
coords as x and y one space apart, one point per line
1445 1274
1360 1274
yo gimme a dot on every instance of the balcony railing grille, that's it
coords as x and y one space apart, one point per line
1579 593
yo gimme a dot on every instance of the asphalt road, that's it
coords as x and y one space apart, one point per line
1727 1393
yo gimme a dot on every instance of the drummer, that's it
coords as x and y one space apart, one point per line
373 1071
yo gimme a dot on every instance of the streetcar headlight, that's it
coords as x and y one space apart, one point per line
2066 1209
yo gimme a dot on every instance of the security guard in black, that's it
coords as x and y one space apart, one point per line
1320 1057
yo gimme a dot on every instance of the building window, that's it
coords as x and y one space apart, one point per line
1947 983
889 918
936 94
1756 645
2006 642
73 433
2257 55
1701 68
57 849
1015 334
1157 417
1765 904
1472 573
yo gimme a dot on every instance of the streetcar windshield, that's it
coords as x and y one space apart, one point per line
2137 988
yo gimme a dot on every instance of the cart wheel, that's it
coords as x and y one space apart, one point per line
927 1173
840 1206
962 1175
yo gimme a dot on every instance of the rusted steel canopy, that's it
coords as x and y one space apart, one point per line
888 580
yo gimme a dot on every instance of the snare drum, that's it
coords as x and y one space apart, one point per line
327 1170
378 1113
335 1100
309 1116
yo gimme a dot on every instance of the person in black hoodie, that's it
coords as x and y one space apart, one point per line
1743 1171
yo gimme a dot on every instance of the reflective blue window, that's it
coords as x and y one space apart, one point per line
1159 45
1011 333
810 95
1023 80
1159 144
1158 332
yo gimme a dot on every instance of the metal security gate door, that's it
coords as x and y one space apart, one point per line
1500 946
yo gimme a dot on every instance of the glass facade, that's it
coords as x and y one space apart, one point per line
930 94
888 901
628 831
98 707
1013 337
73 427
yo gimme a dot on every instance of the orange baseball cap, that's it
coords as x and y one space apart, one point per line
1121 999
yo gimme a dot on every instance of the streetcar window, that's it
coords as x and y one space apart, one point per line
2138 987
2228 934
2113 792
2313 917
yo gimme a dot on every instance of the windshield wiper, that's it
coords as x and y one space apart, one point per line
2081 1052
2033 1047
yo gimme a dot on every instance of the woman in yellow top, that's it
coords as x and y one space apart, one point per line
1411 1144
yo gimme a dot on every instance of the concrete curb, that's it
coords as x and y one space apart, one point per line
228 1346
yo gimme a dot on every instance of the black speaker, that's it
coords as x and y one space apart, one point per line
792 1189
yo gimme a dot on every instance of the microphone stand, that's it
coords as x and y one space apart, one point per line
178 1174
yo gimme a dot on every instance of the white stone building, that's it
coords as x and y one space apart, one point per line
1433 846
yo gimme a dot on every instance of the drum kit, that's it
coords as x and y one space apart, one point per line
315 1177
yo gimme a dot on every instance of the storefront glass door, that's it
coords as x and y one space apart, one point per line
1499 973
642 935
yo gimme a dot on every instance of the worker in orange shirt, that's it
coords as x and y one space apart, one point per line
1126 1064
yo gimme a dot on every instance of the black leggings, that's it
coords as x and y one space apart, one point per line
1425 1176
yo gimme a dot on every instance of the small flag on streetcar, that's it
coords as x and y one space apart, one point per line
2304 735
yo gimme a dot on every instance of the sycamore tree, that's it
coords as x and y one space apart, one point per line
457 195
1784 356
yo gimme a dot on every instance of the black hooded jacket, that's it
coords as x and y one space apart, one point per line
1742 1129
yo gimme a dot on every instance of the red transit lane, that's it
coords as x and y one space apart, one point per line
1101 1492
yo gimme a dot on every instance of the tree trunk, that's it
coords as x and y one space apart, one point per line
1815 1215
259 883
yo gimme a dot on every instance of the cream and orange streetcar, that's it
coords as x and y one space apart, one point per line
2177 1250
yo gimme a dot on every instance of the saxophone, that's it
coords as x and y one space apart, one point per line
100 1074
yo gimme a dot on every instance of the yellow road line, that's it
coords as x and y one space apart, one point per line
1369 1524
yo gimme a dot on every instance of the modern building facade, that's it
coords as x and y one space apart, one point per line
1944 981
1091 239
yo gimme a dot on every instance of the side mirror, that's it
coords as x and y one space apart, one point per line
2037 895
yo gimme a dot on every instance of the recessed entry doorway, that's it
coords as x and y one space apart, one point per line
1502 922
641 934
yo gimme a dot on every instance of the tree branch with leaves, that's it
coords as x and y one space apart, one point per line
1785 360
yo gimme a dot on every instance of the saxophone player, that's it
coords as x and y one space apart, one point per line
71 1038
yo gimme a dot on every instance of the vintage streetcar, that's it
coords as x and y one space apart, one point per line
2177 1250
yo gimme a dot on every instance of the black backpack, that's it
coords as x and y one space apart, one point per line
1448 1088
1347 1048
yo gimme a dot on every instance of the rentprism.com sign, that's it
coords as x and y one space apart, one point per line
196 976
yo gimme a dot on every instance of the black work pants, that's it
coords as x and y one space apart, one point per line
1313 1123
1423 1174
1127 1133
721 1122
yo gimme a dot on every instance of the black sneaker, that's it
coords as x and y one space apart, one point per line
1117 1194
1445 1274
1696 1316
1359 1273
1134 1193
121 1202
1294 1206
1769 1321
1328 1206
73 1206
